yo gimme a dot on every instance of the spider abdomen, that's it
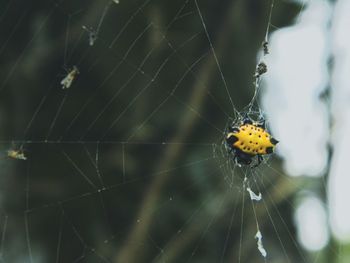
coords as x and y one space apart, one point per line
251 139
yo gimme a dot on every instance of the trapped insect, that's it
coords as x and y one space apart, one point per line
261 69
92 35
68 80
16 154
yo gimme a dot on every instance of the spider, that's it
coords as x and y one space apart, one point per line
248 140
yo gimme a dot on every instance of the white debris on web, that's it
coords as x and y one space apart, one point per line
116 1
254 196
68 80
19 155
261 248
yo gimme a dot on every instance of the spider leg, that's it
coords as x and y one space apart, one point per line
262 124
247 120
235 159
260 159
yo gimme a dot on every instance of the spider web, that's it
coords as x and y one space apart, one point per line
127 165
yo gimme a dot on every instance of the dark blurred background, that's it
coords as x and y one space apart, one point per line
127 164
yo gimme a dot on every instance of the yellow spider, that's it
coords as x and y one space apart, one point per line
248 140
